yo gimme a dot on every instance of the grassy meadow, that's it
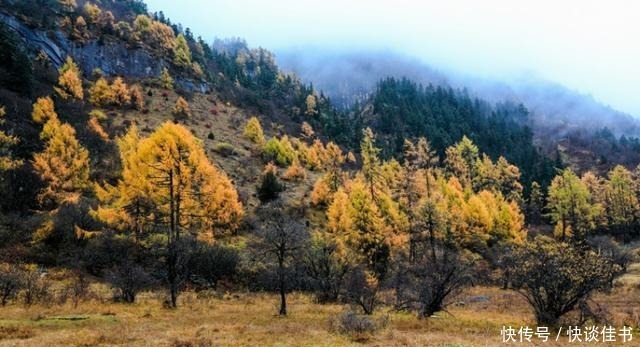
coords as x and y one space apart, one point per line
250 319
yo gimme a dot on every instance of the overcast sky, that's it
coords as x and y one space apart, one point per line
590 46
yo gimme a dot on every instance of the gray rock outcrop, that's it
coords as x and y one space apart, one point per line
113 59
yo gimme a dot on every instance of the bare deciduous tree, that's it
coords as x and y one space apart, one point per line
281 237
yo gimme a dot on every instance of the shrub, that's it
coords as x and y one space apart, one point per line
181 109
128 279
362 290
69 81
106 251
306 130
166 81
225 149
358 327
432 280
321 194
120 92
316 156
100 94
269 188
557 277
295 172
78 288
280 150
10 282
197 70
35 286
92 12
43 110
137 101
212 263
325 267
253 131
123 30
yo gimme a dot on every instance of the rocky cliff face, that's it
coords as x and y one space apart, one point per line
114 59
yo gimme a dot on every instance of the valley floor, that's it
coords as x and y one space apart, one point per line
250 320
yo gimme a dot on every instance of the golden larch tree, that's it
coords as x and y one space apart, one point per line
166 81
181 110
101 94
170 174
312 105
120 92
43 110
63 165
253 131
70 81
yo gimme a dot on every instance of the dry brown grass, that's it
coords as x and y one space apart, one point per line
251 320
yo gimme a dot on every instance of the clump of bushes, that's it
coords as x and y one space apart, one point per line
359 328
223 148
557 278
269 187
181 109
295 172
117 94
24 283
211 264
128 279
280 151
10 282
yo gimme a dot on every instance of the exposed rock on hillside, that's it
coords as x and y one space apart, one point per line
113 59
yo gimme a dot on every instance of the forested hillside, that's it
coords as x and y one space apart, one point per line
561 120
402 109
150 177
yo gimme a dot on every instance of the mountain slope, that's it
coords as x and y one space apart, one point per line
555 110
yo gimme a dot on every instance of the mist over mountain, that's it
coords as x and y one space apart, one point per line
348 77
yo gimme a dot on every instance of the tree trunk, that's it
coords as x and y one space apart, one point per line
412 248
283 292
172 256
547 319
173 276
283 301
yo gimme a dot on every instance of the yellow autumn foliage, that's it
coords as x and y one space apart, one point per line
63 165
253 131
43 110
295 172
70 81
170 165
